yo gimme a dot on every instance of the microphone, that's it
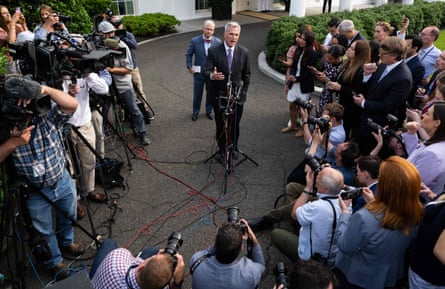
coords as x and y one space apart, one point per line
20 87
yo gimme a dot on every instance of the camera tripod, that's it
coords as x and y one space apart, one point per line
228 108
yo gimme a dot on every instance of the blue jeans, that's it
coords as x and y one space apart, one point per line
198 87
63 195
109 245
128 99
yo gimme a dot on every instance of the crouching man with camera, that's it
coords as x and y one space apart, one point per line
115 267
219 266
318 219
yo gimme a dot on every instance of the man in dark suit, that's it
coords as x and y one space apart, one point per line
228 68
389 86
347 28
199 46
414 44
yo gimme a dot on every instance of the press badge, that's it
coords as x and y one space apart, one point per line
38 170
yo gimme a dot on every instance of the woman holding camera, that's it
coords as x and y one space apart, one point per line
372 242
349 81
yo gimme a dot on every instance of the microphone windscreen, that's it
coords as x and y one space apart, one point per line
111 43
20 87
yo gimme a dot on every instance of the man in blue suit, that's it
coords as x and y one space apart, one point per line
414 44
199 46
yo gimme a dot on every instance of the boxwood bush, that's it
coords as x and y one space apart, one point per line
150 24
281 34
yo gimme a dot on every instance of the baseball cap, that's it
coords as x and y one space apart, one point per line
106 27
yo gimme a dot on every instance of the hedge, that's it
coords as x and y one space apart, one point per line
281 34
150 24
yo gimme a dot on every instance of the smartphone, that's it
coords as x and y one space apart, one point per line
351 194
18 10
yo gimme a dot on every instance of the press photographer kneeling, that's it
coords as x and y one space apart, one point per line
115 267
317 220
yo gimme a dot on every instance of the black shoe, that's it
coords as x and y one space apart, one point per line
209 116
194 117
260 224
219 157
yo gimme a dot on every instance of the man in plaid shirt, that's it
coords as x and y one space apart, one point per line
117 268
38 155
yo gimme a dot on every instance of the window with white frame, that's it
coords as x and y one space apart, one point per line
123 7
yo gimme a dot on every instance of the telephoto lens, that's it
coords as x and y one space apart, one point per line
173 244
280 272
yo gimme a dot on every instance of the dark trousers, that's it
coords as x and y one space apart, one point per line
233 119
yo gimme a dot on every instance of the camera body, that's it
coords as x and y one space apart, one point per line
305 104
233 217
280 272
313 163
322 123
351 194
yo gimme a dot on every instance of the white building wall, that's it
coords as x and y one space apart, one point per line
185 9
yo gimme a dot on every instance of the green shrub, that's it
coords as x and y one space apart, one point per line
150 24
281 34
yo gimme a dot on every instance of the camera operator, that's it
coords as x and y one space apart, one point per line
41 161
220 266
318 219
310 274
115 267
121 72
81 121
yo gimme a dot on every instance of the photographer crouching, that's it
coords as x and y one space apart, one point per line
34 145
115 267
220 266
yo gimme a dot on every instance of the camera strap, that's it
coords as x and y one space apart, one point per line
334 225
198 262
127 276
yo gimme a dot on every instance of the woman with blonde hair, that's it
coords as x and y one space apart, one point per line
382 30
372 242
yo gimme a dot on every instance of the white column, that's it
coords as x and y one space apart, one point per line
297 8
345 5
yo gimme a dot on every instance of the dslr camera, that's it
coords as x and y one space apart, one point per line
322 123
351 193
392 124
307 104
174 242
313 163
233 217
280 272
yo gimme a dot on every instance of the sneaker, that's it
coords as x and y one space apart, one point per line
60 271
145 141
74 249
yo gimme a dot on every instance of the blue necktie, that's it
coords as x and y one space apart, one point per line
229 58
385 72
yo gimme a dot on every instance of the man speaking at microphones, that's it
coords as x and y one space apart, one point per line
228 68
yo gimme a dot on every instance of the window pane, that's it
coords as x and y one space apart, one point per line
201 4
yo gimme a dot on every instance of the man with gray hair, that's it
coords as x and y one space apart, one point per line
199 46
317 220
347 28
227 67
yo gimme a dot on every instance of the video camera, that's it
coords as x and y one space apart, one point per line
305 104
47 61
15 116
174 242
233 217
322 123
280 272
